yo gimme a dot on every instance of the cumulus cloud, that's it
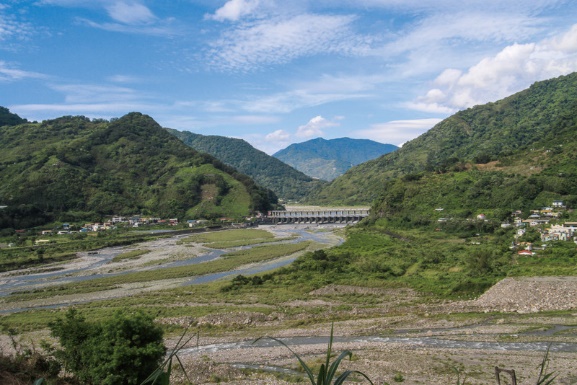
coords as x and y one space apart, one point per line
397 131
513 69
277 136
315 127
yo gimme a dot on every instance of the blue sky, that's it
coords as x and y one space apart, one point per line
278 72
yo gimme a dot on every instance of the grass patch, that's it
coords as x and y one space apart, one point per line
235 238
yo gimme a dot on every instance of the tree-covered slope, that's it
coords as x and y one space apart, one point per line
477 135
328 159
285 181
72 168
7 118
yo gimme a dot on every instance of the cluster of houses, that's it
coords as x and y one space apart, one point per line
566 231
111 224
539 219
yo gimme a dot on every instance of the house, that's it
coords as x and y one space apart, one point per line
525 252
558 204
526 245
46 232
481 217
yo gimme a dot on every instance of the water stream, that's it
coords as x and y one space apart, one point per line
91 269
416 342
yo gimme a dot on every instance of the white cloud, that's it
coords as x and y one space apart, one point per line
96 101
90 93
123 79
397 131
128 16
259 43
7 73
130 12
233 10
511 70
325 89
315 127
277 136
12 28
271 142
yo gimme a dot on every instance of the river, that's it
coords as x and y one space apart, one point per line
99 265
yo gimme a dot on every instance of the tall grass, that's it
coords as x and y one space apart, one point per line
327 374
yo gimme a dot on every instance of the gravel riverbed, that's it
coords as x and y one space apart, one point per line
398 331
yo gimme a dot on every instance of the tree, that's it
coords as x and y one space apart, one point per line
122 350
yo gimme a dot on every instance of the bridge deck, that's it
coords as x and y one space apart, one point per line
351 215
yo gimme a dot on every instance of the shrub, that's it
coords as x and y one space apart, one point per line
122 350
327 374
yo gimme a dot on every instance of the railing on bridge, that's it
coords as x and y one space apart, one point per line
347 215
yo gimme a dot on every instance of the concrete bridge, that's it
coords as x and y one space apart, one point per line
344 215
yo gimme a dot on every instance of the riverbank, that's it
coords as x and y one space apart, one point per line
394 333
420 344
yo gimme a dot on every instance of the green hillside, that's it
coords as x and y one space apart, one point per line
74 168
267 171
329 159
478 135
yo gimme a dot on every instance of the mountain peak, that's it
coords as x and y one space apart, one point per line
329 158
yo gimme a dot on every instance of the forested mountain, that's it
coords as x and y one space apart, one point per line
327 159
74 168
527 138
7 118
287 182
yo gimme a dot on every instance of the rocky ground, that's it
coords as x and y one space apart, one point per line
403 351
516 318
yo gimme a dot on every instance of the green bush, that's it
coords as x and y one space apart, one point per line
125 349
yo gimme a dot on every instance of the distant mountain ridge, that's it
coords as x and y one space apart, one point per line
328 159
285 181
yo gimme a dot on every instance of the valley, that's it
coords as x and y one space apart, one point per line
461 257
